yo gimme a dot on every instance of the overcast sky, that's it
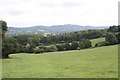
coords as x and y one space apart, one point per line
27 13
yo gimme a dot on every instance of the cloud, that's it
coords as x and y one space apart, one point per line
14 12
50 5
71 4
54 4
55 12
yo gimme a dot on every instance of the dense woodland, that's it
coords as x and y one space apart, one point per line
38 43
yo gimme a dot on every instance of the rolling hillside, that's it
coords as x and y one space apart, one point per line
49 29
101 62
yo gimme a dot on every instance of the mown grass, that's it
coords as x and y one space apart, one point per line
0 56
94 41
0 69
99 62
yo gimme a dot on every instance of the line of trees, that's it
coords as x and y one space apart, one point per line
75 45
73 36
112 37
37 39
37 43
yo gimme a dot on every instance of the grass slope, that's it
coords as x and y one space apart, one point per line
0 69
99 62
94 41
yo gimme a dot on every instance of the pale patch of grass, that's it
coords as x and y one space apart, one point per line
94 41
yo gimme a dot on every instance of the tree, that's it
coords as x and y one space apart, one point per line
74 45
3 29
111 38
22 49
93 34
82 45
24 39
103 43
113 28
27 48
60 47
87 43
9 46
51 48
3 25
31 48
118 37
38 50
67 46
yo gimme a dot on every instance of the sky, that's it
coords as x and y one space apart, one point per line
27 13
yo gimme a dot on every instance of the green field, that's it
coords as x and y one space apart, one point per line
94 41
101 62
0 68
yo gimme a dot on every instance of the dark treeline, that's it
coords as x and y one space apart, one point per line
38 43
114 29
67 41
73 36
25 39
112 36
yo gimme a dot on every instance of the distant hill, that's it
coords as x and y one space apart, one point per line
56 29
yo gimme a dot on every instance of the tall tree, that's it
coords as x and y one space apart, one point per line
3 27
9 44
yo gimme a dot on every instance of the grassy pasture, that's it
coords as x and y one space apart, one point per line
94 41
101 62
0 68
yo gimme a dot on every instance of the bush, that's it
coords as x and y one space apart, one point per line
42 47
29 48
78 48
67 46
38 50
51 48
111 38
74 45
87 43
82 45
118 37
113 29
104 43
9 46
22 49
60 47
